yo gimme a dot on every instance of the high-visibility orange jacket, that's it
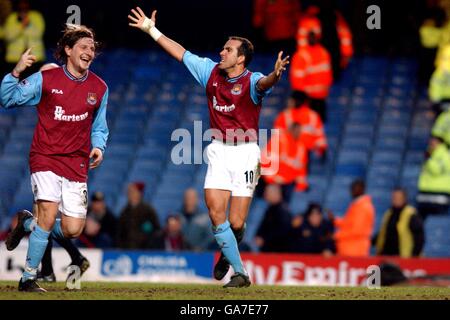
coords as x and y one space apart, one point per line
279 18
355 229
309 22
311 71
312 132
291 159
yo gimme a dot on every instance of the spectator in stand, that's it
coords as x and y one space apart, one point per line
101 225
273 232
439 89
5 11
196 225
336 35
285 161
138 221
353 237
311 233
311 71
441 127
312 130
401 232
171 238
276 21
434 180
24 28
430 37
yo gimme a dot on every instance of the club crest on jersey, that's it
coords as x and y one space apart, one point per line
237 89
92 98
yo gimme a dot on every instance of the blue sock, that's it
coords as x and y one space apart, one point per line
36 248
29 224
228 244
57 232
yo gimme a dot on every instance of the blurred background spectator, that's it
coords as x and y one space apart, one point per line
401 232
273 232
356 226
441 127
24 28
138 221
310 69
439 89
311 233
5 10
285 158
434 180
171 238
196 225
275 23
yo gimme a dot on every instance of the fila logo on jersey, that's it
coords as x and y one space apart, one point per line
57 91
60 115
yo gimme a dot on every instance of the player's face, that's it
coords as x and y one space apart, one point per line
81 55
229 55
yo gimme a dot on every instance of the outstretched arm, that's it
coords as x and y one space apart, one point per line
270 80
139 20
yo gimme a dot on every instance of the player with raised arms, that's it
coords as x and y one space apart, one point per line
235 96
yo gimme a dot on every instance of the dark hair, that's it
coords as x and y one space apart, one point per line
71 34
246 49
359 184
299 97
311 207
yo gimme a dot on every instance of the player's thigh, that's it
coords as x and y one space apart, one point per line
46 186
217 202
72 227
239 207
73 207
217 176
245 170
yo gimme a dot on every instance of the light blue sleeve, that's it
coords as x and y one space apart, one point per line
257 95
27 92
100 131
200 68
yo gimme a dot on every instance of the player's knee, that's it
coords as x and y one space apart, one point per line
217 216
71 232
237 223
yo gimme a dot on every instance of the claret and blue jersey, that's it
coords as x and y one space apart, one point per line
71 118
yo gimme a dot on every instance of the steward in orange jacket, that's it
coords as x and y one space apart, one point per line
287 163
311 73
312 131
355 229
278 18
313 19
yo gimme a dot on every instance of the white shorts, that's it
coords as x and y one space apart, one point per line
71 195
234 168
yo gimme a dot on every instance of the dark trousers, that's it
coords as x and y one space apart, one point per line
427 206
320 106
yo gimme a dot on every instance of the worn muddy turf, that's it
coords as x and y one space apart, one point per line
151 291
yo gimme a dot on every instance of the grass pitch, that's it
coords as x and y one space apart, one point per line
151 291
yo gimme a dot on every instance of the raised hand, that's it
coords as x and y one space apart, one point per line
280 64
140 20
26 60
